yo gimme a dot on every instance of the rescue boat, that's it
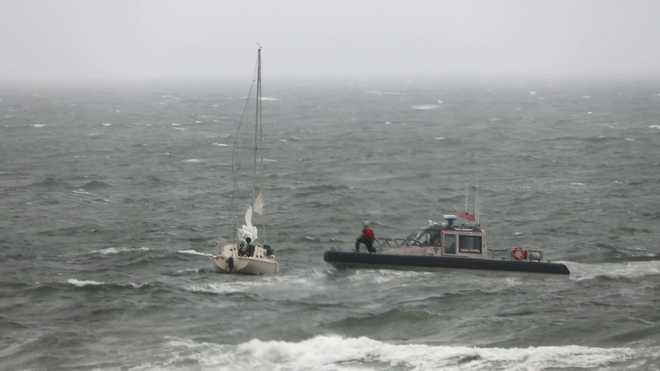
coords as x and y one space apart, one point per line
445 245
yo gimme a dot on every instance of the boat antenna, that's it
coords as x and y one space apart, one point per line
476 203
467 196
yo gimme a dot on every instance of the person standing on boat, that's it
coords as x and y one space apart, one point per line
250 247
367 238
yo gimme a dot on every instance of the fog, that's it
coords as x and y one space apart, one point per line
166 40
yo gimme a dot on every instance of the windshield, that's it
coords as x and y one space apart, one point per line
424 237
415 237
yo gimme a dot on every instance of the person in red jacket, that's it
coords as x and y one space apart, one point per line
367 238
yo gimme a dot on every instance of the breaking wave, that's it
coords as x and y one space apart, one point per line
119 250
83 283
331 352
193 252
91 283
628 269
425 107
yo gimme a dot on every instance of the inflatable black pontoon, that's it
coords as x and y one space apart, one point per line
343 259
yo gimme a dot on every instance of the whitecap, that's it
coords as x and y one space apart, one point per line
106 124
83 283
439 138
269 99
81 191
38 125
589 113
269 160
654 127
629 139
180 129
381 276
306 283
532 92
175 124
425 107
220 144
193 252
634 269
217 288
118 250
366 353
440 101
388 123
577 184
188 271
193 161
586 96
198 122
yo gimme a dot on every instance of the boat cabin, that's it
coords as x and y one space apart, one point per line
450 239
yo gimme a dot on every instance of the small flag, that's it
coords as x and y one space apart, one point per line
467 216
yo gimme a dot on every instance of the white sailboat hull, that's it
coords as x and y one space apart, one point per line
228 261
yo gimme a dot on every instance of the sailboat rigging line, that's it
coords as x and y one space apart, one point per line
234 152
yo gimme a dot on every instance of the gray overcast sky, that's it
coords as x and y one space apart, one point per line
118 40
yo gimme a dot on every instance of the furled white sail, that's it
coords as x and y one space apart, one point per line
258 206
248 229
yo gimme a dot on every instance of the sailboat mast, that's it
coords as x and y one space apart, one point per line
257 126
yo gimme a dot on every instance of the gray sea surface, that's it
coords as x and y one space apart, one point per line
110 199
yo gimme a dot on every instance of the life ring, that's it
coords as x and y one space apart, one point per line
519 253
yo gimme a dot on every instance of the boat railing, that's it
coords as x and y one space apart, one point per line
384 242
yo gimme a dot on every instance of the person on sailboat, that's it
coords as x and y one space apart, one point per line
246 248
367 238
242 248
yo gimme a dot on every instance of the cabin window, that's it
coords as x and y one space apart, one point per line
435 238
450 244
470 244
424 238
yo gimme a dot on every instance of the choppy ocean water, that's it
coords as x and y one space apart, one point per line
109 199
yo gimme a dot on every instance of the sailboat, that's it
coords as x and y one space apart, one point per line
249 255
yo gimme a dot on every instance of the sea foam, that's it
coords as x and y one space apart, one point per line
119 250
331 352
83 283
631 269
425 107
193 252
